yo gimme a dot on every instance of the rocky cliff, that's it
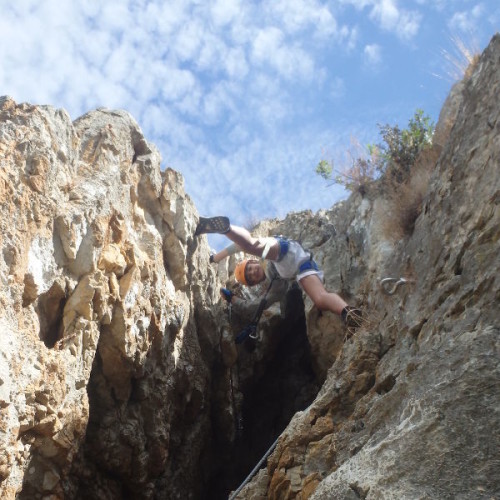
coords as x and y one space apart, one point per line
109 330
119 377
410 405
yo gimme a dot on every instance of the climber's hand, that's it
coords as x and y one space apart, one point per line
226 294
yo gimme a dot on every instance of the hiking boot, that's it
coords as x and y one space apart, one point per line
219 225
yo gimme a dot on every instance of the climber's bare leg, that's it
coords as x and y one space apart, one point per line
323 300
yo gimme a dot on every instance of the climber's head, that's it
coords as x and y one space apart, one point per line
249 272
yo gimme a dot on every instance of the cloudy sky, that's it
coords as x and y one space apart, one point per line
243 97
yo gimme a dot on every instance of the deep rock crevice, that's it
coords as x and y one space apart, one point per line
285 385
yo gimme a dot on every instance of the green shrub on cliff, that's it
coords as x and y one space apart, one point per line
393 157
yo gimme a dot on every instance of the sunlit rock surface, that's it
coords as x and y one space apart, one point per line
101 368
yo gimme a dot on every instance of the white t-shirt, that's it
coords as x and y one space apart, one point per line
288 267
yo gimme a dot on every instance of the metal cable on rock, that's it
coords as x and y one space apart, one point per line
254 470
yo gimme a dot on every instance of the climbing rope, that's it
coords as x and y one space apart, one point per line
254 470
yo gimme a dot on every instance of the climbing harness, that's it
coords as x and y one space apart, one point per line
254 470
308 265
267 247
283 242
390 285
251 329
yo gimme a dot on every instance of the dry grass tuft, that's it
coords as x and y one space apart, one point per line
461 60
355 169
404 200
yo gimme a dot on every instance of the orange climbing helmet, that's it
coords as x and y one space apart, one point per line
239 272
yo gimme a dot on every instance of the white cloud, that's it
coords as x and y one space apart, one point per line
164 18
236 64
391 18
115 17
267 41
177 83
188 40
438 5
373 55
112 95
351 37
229 88
289 61
149 77
310 15
218 100
95 47
212 53
386 13
96 52
337 88
267 100
358 4
225 11
466 21
409 24
119 65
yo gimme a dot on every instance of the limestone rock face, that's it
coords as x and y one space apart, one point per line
409 407
101 372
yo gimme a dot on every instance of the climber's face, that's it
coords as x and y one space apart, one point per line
254 273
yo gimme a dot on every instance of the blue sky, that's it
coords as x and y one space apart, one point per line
243 97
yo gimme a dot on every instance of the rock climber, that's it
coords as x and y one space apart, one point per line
288 261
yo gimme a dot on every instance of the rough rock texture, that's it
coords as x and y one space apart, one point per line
107 320
119 377
410 406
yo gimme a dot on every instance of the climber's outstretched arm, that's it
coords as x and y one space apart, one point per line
267 248
254 246
243 241
223 254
